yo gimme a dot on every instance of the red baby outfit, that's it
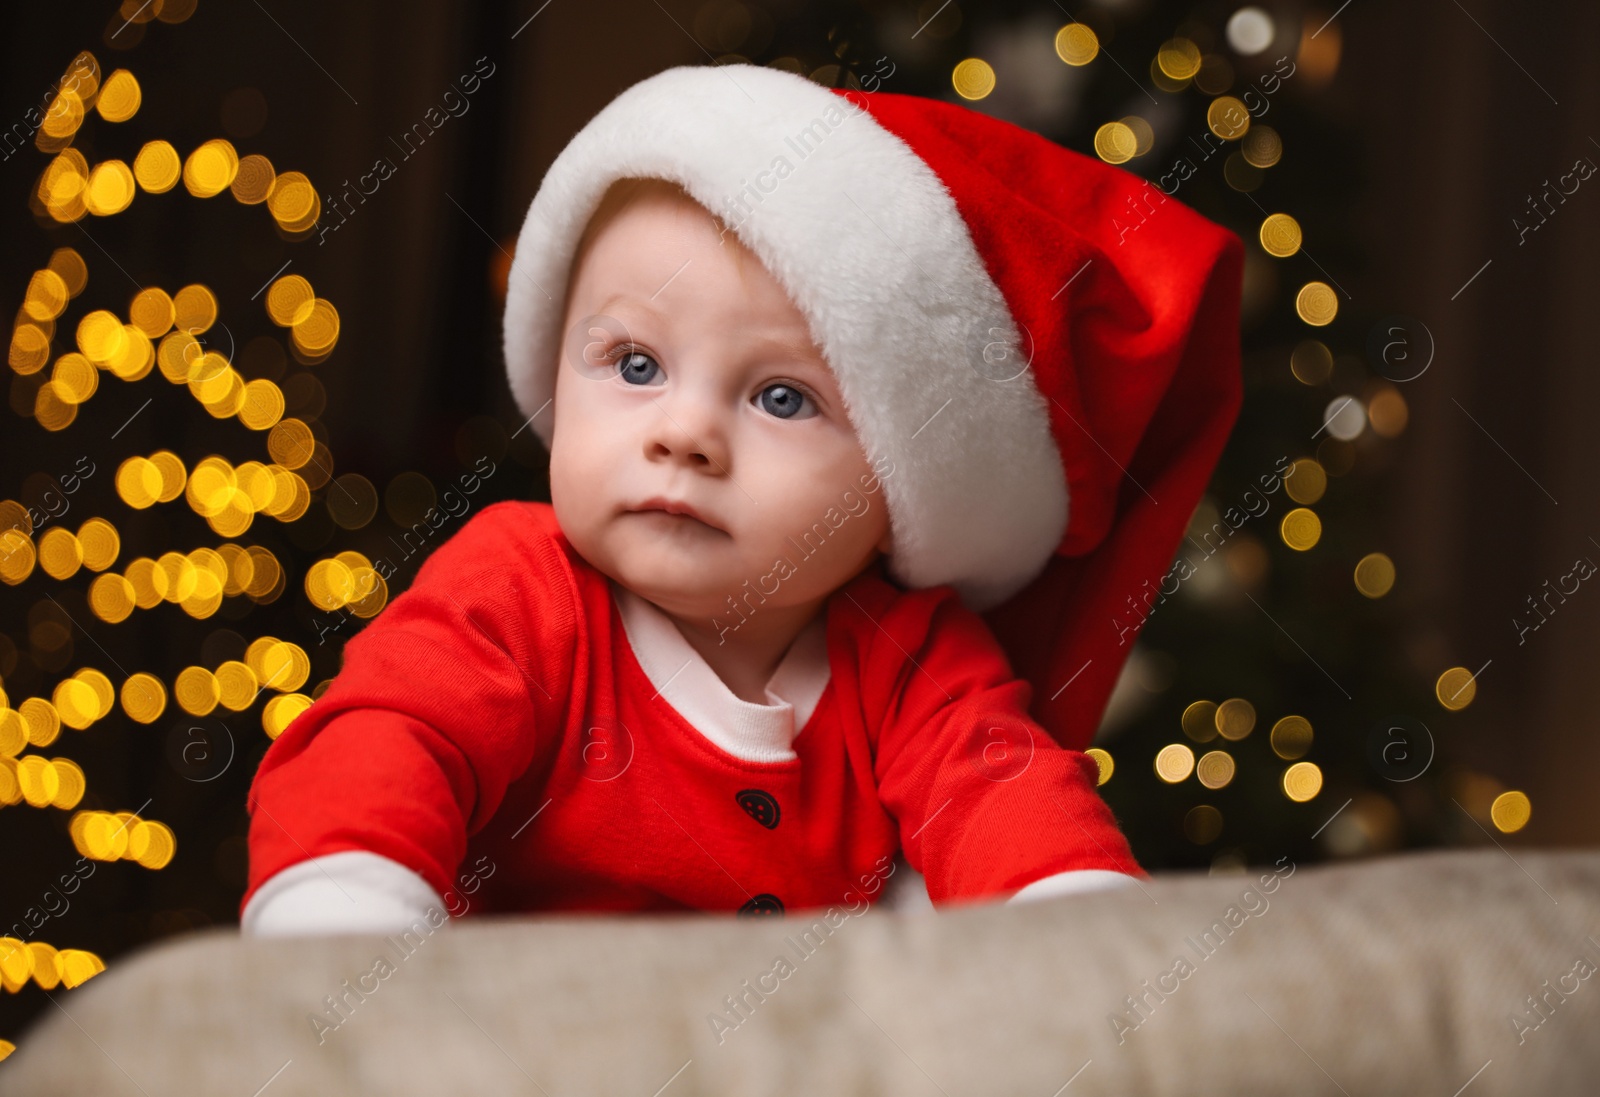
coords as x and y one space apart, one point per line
495 714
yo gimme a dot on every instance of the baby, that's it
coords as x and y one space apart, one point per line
737 663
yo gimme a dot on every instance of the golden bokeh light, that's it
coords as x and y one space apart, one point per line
13 737
1456 688
148 580
328 584
1228 118
1374 575
267 580
352 501
280 712
139 482
1510 811
1144 136
119 97
290 443
1200 721
262 404
100 542
76 703
278 665
1316 304
371 592
1306 481
14 516
112 598
1076 44
51 410
285 298
293 203
144 697
152 312
1280 235
151 844
1302 781
157 167
1215 769
46 295
315 329
196 691
17 556
173 475
210 169
70 784
1115 143
1103 762
73 270
1261 147
41 720
1178 59
62 185
237 685
101 336
75 378
973 78
195 309
110 188
39 780
1235 719
252 183
1174 763
1301 529
30 349
60 553
1291 737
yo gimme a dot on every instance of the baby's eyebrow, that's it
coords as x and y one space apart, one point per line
795 348
625 299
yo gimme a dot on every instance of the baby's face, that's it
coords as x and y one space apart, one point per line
689 377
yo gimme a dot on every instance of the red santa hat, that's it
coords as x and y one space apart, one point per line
1045 346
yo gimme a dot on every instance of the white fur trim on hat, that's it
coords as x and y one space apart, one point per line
871 247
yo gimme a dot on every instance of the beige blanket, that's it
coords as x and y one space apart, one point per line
1458 973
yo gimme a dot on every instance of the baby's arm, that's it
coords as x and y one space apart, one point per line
987 802
1072 882
350 892
361 810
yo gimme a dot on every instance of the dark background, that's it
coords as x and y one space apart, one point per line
1405 167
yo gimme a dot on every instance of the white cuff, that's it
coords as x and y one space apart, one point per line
1070 883
354 891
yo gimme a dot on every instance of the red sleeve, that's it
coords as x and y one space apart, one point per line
442 702
986 801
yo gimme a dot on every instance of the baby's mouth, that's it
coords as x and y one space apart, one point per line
673 514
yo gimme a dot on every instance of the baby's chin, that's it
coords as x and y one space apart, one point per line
689 576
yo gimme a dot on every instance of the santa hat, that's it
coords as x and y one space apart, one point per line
1045 346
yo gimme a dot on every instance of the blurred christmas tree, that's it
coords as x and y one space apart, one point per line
1273 704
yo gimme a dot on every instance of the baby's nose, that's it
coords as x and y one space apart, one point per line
692 430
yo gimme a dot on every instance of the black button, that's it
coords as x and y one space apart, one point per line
760 806
763 904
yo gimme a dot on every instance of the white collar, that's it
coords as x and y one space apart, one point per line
752 732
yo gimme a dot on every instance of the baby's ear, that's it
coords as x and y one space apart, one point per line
886 545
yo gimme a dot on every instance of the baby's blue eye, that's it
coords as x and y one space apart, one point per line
636 368
786 402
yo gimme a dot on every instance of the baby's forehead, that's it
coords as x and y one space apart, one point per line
656 251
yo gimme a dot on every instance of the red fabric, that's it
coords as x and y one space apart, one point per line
501 688
1138 359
